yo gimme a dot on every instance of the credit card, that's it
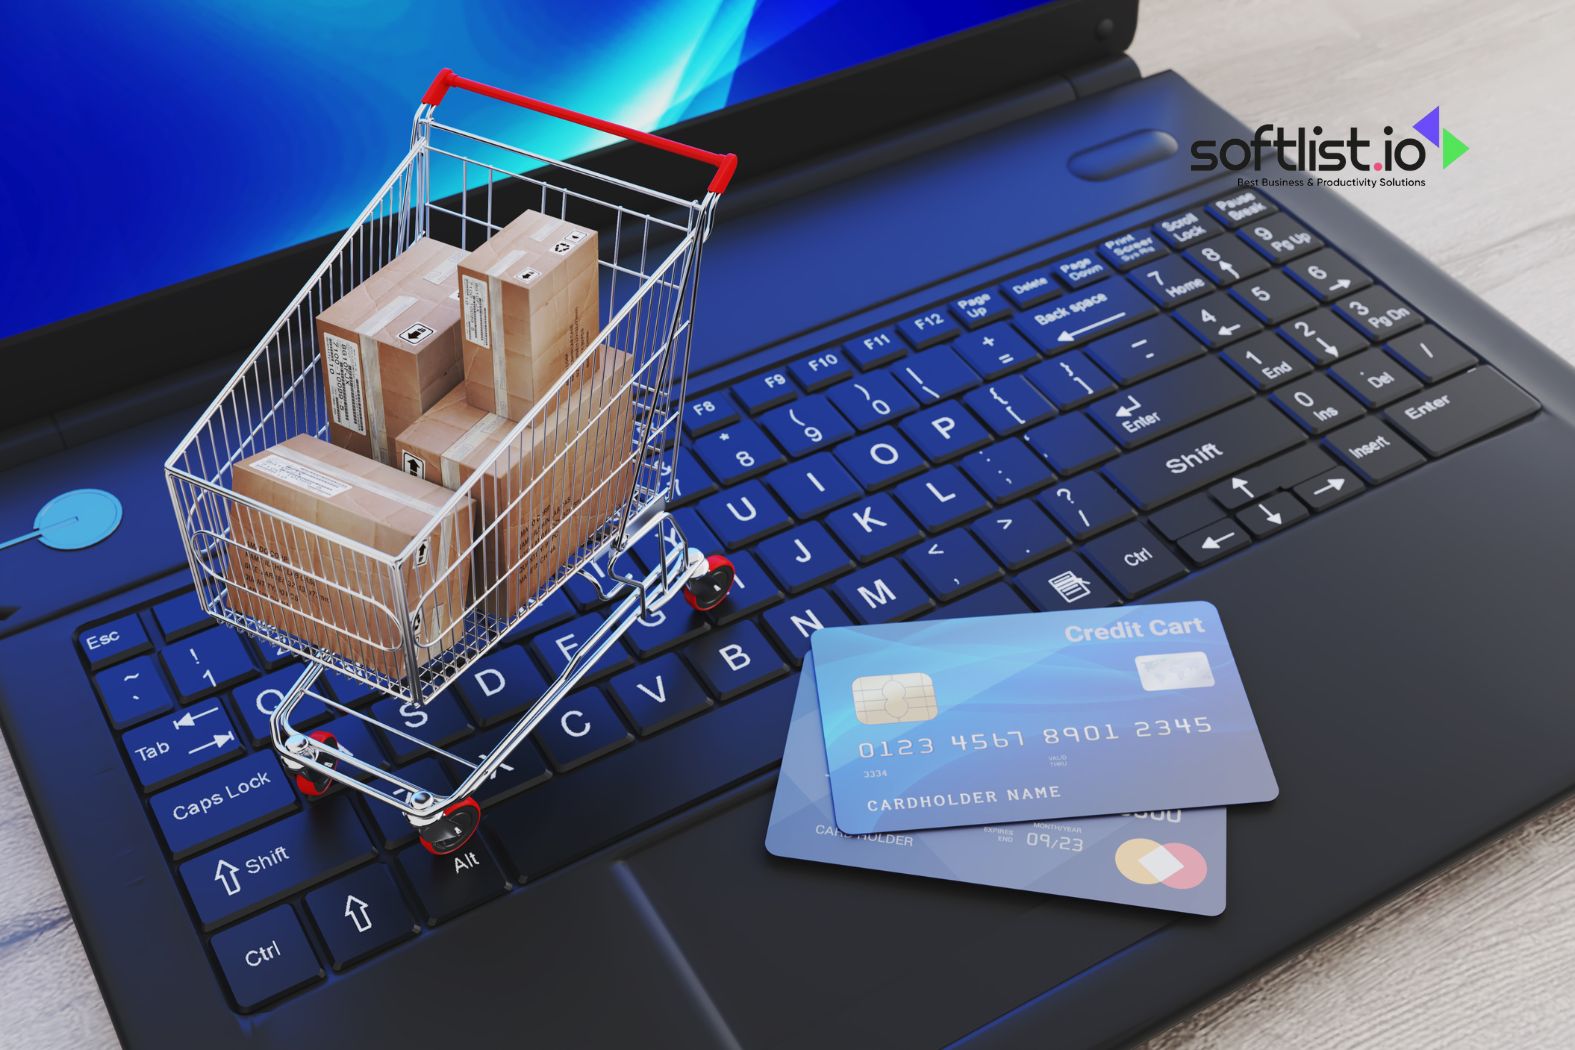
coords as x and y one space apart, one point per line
1174 860
1037 716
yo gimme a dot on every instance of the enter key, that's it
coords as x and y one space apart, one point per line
1461 410
1168 402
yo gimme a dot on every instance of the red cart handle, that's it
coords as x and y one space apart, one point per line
724 163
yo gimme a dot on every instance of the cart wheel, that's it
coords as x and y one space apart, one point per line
709 589
453 829
314 784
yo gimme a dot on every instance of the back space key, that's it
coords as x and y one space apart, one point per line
1203 453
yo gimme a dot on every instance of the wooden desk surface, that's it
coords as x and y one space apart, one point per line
1482 955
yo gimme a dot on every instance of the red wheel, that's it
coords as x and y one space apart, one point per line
709 589
453 829
311 783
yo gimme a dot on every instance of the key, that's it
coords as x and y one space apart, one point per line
439 722
940 499
929 328
1225 259
875 348
1272 298
1377 313
737 452
1430 354
265 958
1133 559
1030 289
360 914
555 610
169 749
1086 505
1279 237
709 412
1144 349
873 528
1322 338
522 769
809 423
133 692
1178 231
1168 402
803 558
872 399
882 593
792 623
657 694
1006 470
207 662
1460 411
734 660
1374 451
1374 378
1019 534
1084 314
392 828
951 564
501 685
879 458
944 431
743 514
343 688
980 308
266 865
1065 582
447 887
1132 249
1267 516
1327 274
555 647
112 641
1185 516
355 737
1239 207
814 485
1214 541
181 615
1217 320
758 393
581 728
1317 404
935 375
1075 271
995 350
691 482
257 700
821 369
221 803
672 624
1070 443
1171 281
1202 454
1281 472
752 591
1324 490
998 599
1265 360
1009 406
1070 380
269 656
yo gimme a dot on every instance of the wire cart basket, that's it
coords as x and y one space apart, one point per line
408 624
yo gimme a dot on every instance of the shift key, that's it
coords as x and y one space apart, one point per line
1203 453
257 869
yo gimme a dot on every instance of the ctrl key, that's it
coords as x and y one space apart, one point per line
266 957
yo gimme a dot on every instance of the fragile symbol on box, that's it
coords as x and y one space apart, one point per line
416 333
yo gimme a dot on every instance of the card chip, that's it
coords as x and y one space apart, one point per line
882 699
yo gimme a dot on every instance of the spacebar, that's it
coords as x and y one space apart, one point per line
567 817
1203 453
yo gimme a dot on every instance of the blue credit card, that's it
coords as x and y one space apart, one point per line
1173 860
1038 716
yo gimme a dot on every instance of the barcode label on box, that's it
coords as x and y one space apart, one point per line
343 360
306 478
478 325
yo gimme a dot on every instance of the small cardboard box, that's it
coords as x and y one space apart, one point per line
530 307
328 593
390 348
546 494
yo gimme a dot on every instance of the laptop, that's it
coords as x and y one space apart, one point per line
978 213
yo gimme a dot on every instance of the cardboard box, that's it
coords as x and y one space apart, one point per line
288 577
530 308
535 507
390 348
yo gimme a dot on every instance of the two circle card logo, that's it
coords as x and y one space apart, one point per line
1174 864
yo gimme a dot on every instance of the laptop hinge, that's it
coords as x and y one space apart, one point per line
1103 75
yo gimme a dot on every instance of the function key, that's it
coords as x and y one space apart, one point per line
758 393
1226 260
1377 312
181 615
1458 412
1085 315
207 662
133 692
980 308
115 640
821 370
1178 231
1327 274
168 749
1030 289
1430 353
1374 378
874 348
1077 270
705 414
928 328
360 915
1280 238
266 957
1237 208
451 885
995 351
1130 249
1171 280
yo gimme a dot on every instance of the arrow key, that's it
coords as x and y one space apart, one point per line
1335 485
360 915
1217 540
1217 320
1279 511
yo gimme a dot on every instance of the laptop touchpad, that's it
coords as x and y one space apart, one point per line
794 954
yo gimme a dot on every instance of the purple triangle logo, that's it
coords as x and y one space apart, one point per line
1428 126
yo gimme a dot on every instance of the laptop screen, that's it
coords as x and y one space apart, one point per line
246 128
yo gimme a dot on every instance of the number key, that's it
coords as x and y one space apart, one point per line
1280 237
805 425
1272 297
207 662
1265 361
737 452
1327 274
870 400
1322 338
1226 259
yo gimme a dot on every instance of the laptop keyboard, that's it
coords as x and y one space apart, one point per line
1077 435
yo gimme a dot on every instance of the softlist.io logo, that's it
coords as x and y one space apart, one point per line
1440 136
1309 153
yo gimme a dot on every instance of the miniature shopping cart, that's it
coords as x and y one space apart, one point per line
649 246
